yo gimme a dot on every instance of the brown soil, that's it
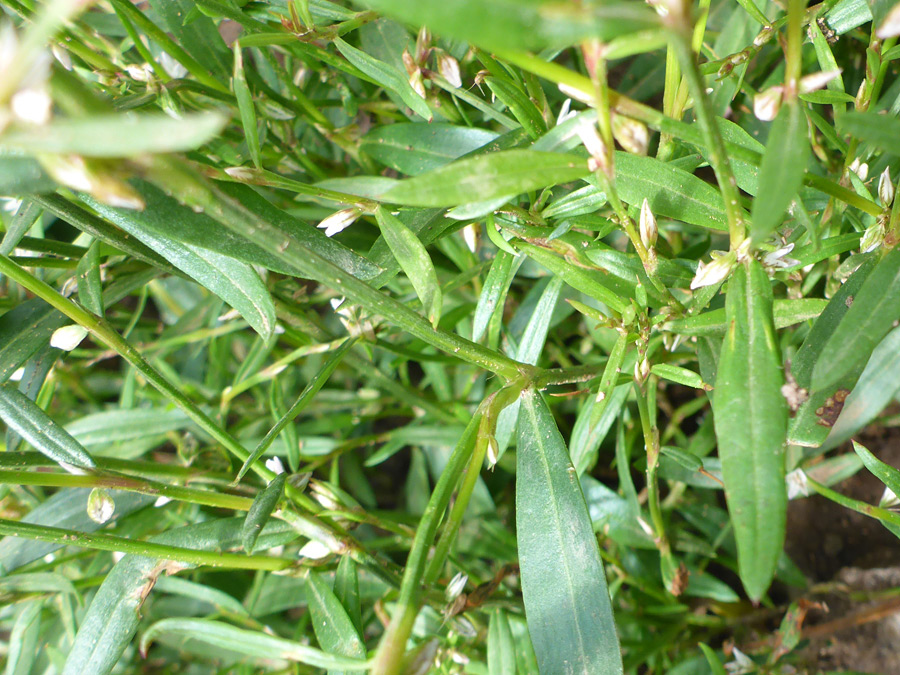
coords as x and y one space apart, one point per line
860 558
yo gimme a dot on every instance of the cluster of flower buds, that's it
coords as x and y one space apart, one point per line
447 66
767 103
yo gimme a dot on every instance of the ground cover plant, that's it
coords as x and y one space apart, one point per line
461 336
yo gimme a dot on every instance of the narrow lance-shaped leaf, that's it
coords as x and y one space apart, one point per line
501 647
245 106
874 310
260 510
883 472
35 426
414 261
781 172
332 625
486 177
751 416
567 603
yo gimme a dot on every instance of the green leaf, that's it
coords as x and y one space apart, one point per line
874 310
26 216
671 192
882 471
485 177
334 630
260 511
518 24
786 312
200 37
882 131
677 374
346 588
254 644
414 149
23 176
88 274
413 260
876 388
23 639
387 76
235 282
496 286
567 603
220 600
519 104
35 426
501 648
245 106
751 416
781 171
123 135
23 331
113 617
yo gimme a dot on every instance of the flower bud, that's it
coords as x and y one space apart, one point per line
274 465
715 271
448 67
595 146
631 134
797 485
456 586
93 177
409 62
417 83
339 221
649 231
888 499
886 187
861 169
815 81
766 104
100 506
68 337
872 238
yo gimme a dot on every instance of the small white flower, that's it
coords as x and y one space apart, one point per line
797 485
100 506
171 66
778 259
339 221
274 465
18 375
648 227
766 104
314 549
160 502
815 81
742 664
861 169
890 27
493 452
448 67
117 556
456 586
417 83
872 237
631 134
10 205
886 187
595 146
576 94
68 337
470 236
241 173
142 73
888 499
714 272
32 105
565 113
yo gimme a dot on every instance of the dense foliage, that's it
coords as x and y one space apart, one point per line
333 342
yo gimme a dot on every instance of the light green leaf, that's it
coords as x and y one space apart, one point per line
671 192
485 177
246 107
517 24
882 131
677 374
35 426
346 588
781 171
235 282
413 260
23 639
387 76
567 603
519 104
787 312
256 645
260 510
874 310
875 389
414 149
882 471
23 176
88 274
220 600
751 415
501 648
123 135
334 630
496 285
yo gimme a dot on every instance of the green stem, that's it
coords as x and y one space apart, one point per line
718 156
392 647
793 56
190 188
651 441
109 542
875 512
184 494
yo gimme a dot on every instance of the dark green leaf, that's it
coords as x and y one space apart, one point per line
882 131
334 630
781 171
23 176
501 648
416 148
751 422
258 515
563 582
